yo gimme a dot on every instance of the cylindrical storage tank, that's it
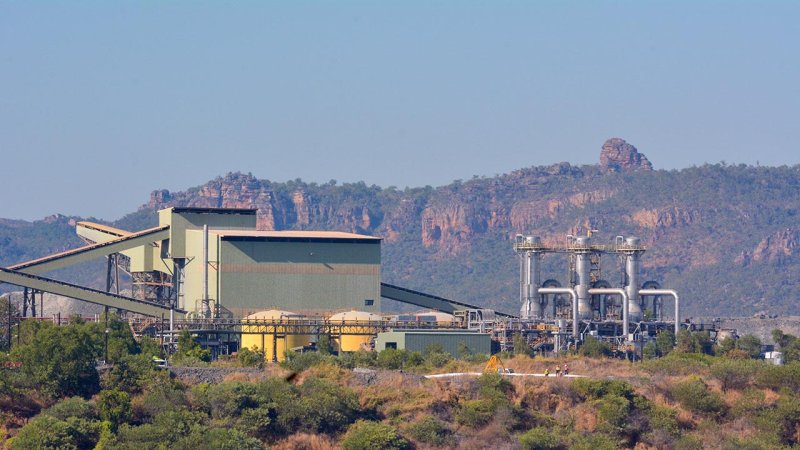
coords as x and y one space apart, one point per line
437 317
267 331
356 332
583 267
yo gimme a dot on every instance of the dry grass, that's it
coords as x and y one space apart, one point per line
244 377
304 441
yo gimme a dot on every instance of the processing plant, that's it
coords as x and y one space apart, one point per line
210 271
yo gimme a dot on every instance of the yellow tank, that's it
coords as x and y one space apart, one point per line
354 322
438 317
278 343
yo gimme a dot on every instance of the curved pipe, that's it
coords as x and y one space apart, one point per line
624 295
671 293
574 295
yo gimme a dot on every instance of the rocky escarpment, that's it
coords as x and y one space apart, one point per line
777 249
619 156
446 220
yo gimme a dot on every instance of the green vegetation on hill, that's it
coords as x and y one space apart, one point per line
694 397
725 236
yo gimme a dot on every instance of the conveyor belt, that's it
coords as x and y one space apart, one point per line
84 294
85 253
424 300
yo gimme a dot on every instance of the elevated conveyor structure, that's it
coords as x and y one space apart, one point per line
89 252
85 294
424 300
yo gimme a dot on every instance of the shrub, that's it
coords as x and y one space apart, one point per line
735 373
492 386
394 359
777 377
217 438
72 407
60 361
539 438
249 358
299 362
361 358
694 395
190 350
594 389
44 432
318 406
664 419
114 406
594 348
475 413
613 411
677 363
430 430
596 441
131 374
364 435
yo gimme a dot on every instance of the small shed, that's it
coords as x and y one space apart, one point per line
451 341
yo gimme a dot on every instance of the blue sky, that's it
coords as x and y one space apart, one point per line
103 102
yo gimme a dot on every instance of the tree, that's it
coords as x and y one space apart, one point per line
521 346
665 342
594 348
324 344
114 406
60 361
788 344
750 345
44 432
188 347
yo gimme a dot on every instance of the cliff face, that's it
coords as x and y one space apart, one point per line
725 236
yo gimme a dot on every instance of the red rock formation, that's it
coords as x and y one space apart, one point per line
620 156
778 247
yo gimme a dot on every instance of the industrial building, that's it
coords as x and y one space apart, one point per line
210 271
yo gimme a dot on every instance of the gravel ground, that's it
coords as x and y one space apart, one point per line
196 375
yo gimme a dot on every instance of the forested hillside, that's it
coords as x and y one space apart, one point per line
725 236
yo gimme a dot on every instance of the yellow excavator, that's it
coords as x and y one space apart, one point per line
495 365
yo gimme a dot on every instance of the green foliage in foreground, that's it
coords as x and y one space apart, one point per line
364 435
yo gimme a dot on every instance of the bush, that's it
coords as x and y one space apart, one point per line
131 374
394 359
190 350
60 361
44 432
72 407
735 373
595 389
695 396
664 419
249 358
596 441
114 406
540 438
430 430
299 362
613 411
776 377
677 363
217 438
364 435
594 348
318 406
475 413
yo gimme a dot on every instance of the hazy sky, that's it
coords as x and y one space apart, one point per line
103 102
